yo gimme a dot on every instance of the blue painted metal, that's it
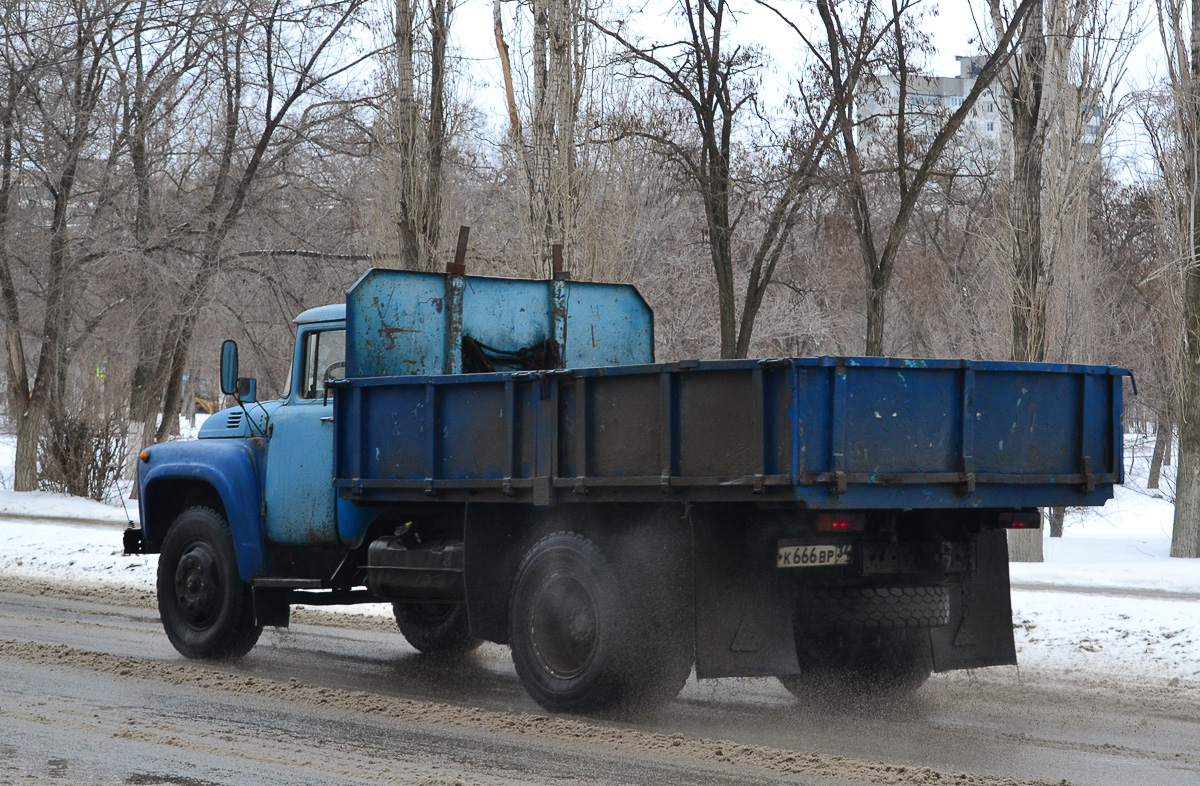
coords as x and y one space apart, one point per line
825 432
455 284
404 323
238 423
335 312
606 325
822 432
300 504
229 467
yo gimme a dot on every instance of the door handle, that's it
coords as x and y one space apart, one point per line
327 419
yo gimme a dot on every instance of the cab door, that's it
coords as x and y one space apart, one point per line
299 479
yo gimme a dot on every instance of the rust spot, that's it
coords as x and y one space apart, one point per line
391 332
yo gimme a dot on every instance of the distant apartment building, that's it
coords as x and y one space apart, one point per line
984 137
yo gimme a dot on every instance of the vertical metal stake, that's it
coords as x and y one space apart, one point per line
558 303
455 272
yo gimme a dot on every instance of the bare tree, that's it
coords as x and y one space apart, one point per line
415 130
1179 161
714 81
58 73
543 136
285 60
847 41
1058 91
157 71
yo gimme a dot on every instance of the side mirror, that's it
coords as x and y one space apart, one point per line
247 390
229 368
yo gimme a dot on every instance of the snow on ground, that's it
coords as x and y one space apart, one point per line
1126 543
45 504
1136 638
71 552
1124 622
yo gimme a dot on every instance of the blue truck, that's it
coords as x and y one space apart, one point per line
503 460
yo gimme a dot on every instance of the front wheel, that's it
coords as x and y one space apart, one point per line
436 628
206 608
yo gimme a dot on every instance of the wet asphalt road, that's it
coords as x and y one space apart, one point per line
63 723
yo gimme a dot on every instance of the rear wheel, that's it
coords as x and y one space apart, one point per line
206 608
864 643
838 668
436 628
586 637
854 609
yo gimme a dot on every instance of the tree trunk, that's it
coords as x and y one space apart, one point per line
1168 443
407 178
716 203
1163 431
439 34
548 160
29 427
1185 535
1025 545
1055 517
18 373
1030 269
876 303
1185 538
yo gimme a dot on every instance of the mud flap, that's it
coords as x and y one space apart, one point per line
272 607
495 541
743 615
980 631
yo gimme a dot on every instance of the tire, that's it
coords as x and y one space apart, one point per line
206 608
873 609
436 628
838 669
585 638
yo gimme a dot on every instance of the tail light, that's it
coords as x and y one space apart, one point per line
841 522
1021 519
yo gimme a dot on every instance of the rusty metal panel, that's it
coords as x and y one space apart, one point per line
1032 414
471 431
506 313
900 420
396 324
392 432
405 323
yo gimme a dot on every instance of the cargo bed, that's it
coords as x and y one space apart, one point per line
826 432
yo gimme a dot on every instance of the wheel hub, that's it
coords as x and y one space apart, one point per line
564 626
198 585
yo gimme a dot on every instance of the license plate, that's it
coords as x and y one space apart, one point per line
800 555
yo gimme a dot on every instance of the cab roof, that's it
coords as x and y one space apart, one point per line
331 313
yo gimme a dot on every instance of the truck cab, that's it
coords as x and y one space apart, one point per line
264 465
